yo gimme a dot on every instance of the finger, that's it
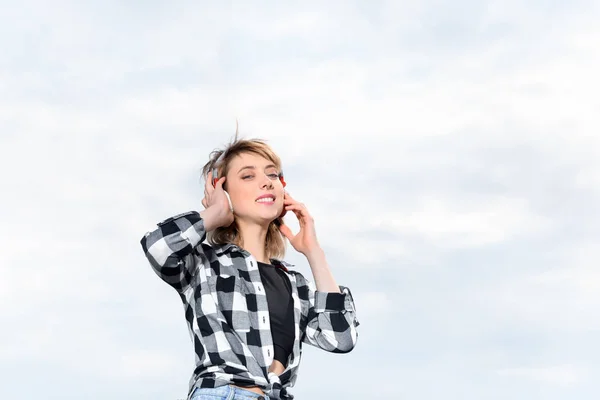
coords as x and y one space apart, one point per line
286 231
208 183
301 217
298 207
204 203
301 213
220 182
287 199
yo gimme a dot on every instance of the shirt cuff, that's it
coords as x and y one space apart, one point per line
191 216
189 226
334 302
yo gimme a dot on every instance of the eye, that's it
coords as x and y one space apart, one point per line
245 177
273 176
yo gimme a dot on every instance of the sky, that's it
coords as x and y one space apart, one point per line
449 152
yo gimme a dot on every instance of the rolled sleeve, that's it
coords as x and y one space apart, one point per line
331 319
170 248
334 302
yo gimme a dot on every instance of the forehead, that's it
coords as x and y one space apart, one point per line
249 159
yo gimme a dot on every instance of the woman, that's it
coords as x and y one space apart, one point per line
248 313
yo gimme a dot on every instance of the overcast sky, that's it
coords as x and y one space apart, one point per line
448 150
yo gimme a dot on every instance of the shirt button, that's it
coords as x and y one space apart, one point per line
260 398
264 319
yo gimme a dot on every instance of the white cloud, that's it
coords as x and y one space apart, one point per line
438 136
147 364
466 225
558 296
562 375
374 303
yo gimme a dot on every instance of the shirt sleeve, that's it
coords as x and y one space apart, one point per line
331 322
170 248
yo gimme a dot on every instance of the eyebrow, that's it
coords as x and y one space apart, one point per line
253 167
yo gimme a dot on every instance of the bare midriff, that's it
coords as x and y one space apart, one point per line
277 368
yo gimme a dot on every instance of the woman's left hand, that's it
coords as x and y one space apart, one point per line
305 241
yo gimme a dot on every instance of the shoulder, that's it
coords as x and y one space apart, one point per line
296 277
211 258
300 279
217 251
287 267
224 259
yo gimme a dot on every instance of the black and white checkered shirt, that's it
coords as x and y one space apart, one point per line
227 312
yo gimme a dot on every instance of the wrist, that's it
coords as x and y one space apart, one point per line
315 256
213 218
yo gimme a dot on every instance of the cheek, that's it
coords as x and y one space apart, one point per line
240 197
280 197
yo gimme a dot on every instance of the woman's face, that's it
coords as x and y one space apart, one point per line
255 189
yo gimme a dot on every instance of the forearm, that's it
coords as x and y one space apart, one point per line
178 235
331 318
323 277
169 248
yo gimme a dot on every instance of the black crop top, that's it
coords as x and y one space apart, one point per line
281 310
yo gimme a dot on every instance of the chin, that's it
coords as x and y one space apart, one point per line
264 219
270 219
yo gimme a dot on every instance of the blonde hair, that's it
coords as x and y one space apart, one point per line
275 241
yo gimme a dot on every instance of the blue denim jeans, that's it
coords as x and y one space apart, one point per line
226 392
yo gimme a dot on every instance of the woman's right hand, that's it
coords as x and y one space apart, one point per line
218 212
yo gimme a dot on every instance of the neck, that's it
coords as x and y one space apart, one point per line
254 237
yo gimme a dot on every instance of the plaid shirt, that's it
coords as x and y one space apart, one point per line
227 312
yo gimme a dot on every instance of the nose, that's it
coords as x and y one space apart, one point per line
266 182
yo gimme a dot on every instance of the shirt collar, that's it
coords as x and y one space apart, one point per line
230 247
